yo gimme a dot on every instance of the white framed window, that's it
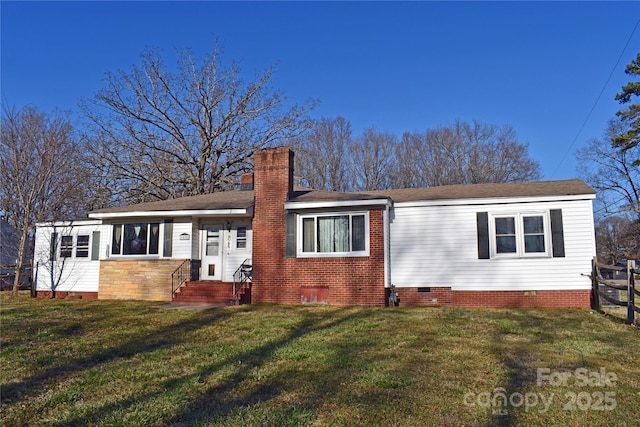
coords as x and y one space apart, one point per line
135 239
241 238
82 246
520 235
333 234
66 246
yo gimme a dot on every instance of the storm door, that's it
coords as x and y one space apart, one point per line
211 252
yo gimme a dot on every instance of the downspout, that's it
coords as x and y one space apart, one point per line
34 280
387 245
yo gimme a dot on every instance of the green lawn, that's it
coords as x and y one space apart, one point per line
82 363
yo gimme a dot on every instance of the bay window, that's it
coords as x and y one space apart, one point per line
135 239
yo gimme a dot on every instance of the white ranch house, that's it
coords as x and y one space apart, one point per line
490 245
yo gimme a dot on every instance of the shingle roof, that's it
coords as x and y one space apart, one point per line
245 199
212 201
335 196
461 191
569 187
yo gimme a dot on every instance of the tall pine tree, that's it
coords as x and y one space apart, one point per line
630 116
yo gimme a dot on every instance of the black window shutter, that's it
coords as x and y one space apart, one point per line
290 251
53 245
483 234
167 250
95 246
557 233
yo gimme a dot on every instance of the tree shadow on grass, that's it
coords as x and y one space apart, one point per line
619 316
238 391
161 337
219 403
518 357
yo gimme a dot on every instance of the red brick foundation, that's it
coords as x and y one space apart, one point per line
425 296
494 299
67 295
513 299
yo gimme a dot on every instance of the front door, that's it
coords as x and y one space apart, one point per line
211 252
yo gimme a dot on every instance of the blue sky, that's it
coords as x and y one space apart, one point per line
540 67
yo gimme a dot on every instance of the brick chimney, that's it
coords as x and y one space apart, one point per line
283 279
246 182
246 178
273 181
273 184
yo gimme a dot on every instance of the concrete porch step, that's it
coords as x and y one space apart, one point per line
205 292
202 301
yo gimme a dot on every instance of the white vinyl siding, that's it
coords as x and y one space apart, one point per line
67 274
234 256
436 246
183 238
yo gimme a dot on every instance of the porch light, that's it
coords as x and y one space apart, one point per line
228 226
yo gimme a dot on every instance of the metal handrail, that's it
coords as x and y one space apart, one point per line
180 275
241 276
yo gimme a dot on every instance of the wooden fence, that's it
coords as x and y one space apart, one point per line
8 274
617 288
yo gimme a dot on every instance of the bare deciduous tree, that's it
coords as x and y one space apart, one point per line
329 159
464 154
431 159
374 160
612 173
42 177
611 165
323 155
163 134
617 238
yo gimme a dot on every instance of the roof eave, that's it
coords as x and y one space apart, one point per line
70 223
328 204
173 213
495 200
